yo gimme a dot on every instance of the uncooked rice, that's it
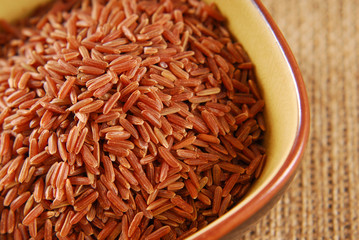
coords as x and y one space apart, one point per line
124 120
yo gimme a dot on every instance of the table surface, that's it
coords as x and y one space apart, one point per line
323 200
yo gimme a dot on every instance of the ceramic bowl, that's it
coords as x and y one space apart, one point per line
286 110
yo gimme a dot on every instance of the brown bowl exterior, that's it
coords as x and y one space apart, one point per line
263 200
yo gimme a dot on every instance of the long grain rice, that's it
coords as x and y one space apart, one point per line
128 119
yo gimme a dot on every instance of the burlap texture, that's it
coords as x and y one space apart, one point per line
323 200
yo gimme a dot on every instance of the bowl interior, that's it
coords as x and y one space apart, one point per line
12 10
277 85
275 78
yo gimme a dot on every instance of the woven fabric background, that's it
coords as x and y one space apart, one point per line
323 200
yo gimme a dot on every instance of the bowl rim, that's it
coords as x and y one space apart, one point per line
291 163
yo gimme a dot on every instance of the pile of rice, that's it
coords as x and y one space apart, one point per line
125 120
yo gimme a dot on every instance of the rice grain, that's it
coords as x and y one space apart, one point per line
131 120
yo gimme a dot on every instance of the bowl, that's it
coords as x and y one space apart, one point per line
286 110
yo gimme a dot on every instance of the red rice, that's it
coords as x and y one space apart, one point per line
129 119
